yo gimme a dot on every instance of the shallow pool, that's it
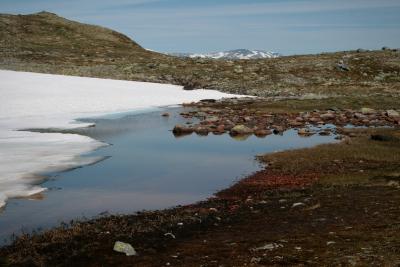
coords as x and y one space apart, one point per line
145 167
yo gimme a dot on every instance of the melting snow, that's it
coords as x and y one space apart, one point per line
31 100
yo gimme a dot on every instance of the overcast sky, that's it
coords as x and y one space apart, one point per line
285 26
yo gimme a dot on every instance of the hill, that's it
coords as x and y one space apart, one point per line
45 42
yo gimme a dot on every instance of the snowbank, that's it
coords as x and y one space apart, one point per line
31 100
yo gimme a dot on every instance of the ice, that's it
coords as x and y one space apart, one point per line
32 100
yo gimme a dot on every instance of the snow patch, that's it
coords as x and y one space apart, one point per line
32 100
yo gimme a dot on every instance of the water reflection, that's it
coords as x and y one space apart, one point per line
146 168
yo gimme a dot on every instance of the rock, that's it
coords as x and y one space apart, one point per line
238 69
219 130
182 130
304 132
295 123
208 100
170 235
201 130
324 133
212 119
392 113
359 116
241 130
278 129
262 133
368 111
124 248
327 116
270 246
166 114
298 204
342 66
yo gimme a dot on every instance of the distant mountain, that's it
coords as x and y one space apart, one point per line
232 54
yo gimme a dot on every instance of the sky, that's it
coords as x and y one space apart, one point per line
284 26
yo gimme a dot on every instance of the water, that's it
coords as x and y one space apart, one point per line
146 167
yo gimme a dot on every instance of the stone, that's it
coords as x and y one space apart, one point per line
324 133
327 116
368 111
201 130
392 113
359 116
212 119
208 100
270 246
262 133
241 130
295 123
298 204
342 66
181 130
278 129
166 114
124 248
304 132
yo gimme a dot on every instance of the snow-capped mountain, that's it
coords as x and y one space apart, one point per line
232 54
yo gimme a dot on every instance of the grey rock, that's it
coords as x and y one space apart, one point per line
241 130
124 248
392 113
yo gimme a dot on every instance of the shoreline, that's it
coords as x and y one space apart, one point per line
251 197
34 100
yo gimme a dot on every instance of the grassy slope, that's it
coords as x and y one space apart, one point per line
44 42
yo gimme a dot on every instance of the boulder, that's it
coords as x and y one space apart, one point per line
392 113
241 130
182 130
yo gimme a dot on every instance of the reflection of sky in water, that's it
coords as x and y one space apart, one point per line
148 168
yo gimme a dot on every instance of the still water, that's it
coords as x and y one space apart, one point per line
145 167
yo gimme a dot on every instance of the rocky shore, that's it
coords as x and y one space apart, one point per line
224 116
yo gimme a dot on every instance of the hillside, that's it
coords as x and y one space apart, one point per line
45 42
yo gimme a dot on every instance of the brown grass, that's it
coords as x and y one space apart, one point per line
355 160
